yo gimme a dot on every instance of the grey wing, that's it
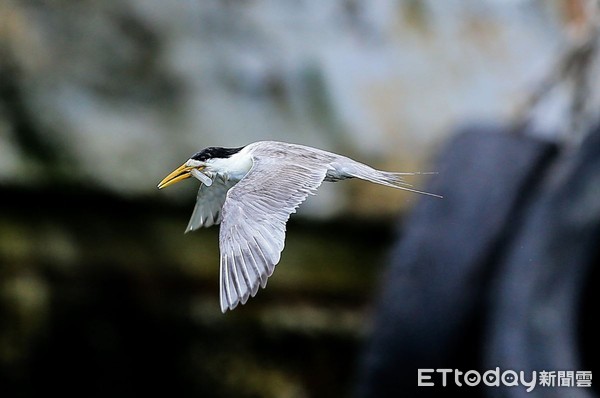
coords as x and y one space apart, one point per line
255 213
209 202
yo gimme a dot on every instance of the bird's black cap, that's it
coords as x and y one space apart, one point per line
214 152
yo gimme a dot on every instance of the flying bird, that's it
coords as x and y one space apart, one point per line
252 191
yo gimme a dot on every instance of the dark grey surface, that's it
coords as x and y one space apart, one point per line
435 293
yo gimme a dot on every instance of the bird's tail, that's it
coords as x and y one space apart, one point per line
389 179
396 180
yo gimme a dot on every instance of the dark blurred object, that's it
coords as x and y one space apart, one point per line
514 217
426 316
542 302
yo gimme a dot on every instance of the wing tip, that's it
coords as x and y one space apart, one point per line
192 226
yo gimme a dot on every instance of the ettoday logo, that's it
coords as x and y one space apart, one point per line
472 378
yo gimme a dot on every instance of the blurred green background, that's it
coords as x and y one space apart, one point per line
100 291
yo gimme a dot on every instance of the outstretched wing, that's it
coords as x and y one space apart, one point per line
255 213
209 202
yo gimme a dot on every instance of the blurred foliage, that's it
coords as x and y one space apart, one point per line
109 295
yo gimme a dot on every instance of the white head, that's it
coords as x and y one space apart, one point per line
202 162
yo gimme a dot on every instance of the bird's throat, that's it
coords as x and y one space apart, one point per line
234 167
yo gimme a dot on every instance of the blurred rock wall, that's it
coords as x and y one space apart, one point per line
117 93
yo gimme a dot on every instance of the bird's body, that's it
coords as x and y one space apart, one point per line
252 191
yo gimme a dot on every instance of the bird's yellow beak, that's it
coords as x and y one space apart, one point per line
179 174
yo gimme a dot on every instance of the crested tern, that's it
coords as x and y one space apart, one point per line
252 191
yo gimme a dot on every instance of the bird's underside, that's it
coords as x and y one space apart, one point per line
253 211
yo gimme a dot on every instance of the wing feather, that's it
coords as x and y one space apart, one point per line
254 216
256 275
209 201
262 262
226 296
233 271
241 271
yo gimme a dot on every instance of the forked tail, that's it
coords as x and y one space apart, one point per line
395 180
349 168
